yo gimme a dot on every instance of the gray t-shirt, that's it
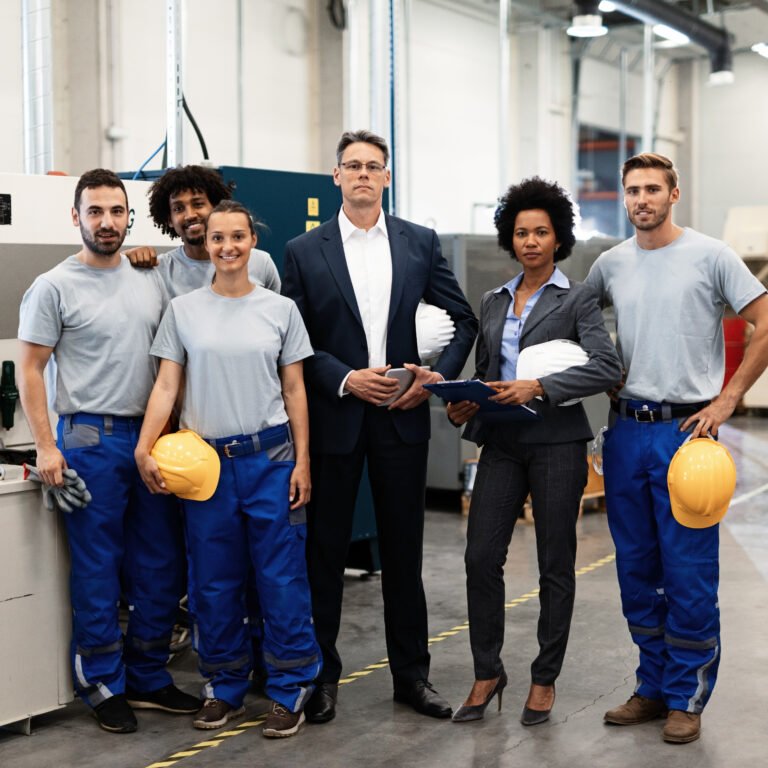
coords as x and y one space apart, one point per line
182 274
232 348
100 323
669 305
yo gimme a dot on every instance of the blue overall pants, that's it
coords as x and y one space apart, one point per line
668 574
248 523
125 538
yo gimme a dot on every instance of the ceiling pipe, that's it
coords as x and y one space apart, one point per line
716 41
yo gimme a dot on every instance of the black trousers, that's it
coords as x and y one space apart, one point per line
555 476
398 473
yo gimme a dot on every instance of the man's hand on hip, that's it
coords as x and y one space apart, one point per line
416 394
707 421
371 385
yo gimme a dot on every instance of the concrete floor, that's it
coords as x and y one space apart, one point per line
373 732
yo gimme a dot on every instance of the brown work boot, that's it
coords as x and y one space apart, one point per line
638 709
281 722
681 727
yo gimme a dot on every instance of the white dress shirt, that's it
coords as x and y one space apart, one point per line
369 261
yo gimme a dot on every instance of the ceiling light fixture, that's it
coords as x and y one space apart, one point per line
587 21
587 25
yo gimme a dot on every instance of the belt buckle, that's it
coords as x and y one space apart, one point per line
645 415
226 448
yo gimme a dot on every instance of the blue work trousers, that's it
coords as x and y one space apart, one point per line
248 523
668 573
128 538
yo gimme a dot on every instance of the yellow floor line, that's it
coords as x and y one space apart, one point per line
353 676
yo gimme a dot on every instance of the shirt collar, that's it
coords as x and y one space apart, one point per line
347 228
557 278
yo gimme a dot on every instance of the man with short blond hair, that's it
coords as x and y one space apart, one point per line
669 287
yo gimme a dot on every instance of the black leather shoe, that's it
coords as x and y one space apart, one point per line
321 707
423 698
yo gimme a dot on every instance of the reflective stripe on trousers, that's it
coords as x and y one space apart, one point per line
125 537
247 522
668 573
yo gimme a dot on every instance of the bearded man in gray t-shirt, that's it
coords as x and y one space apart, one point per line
95 317
669 287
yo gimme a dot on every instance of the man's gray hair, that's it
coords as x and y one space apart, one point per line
367 137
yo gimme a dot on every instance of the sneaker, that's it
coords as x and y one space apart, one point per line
214 713
681 727
281 723
115 715
167 699
638 709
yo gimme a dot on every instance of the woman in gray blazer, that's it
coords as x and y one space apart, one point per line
544 458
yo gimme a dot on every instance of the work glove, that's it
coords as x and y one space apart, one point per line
72 495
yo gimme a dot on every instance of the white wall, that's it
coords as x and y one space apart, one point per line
454 116
295 101
541 105
731 164
283 93
11 91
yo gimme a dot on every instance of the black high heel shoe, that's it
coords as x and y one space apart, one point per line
467 712
536 716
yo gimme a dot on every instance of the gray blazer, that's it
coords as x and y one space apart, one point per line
560 313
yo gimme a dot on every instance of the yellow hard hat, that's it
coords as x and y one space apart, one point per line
701 481
189 466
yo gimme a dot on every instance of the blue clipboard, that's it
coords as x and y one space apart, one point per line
478 392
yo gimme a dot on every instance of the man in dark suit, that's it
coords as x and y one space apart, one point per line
357 280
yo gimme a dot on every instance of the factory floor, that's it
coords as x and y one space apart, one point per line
373 732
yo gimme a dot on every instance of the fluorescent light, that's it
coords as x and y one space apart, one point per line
761 49
723 77
672 35
587 25
606 6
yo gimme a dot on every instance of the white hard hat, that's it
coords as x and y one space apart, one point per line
550 357
434 330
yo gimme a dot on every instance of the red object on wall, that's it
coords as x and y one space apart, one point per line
735 332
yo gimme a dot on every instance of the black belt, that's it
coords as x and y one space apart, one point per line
652 412
243 445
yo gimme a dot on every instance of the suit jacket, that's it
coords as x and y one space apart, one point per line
317 279
560 313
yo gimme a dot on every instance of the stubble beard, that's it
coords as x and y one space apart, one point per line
655 223
98 248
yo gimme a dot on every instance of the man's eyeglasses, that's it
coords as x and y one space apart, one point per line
355 166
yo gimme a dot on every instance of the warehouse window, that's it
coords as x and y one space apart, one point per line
599 184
